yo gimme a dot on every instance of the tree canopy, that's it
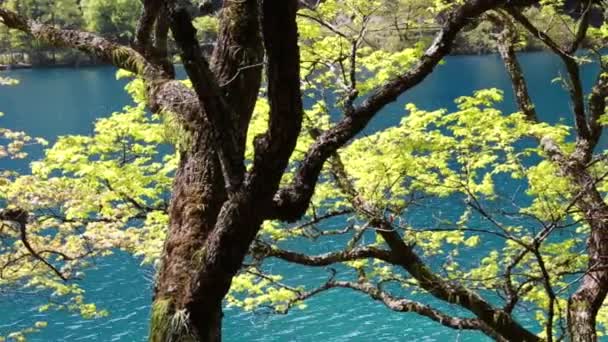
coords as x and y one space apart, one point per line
214 179
398 25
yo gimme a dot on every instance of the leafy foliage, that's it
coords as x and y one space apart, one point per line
89 196
438 178
116 18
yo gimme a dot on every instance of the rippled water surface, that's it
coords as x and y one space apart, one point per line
54 102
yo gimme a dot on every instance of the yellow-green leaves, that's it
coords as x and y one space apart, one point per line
381 66
7 81
251 290
206 26
88 196
440 153
340 52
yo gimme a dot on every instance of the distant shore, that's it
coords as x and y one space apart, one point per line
75 65
15 66
20 65
91 63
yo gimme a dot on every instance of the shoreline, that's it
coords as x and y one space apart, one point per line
8 67
22 66
27 66
89 64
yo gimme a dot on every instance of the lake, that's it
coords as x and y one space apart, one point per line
52 102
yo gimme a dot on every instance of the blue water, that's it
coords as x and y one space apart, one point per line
54 102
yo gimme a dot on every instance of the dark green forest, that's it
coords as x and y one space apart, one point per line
117 20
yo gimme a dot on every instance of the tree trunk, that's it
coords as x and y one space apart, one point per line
584 304
198 194
187 307
581 318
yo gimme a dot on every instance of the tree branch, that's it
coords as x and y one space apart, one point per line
145 26
499 321
393 303
237 61
215 108
20 218
292 201
164 94
597 107
116 54
573 70
274 148
264 250
583 26
405 305
506 41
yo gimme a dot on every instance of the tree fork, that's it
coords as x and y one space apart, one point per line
198 191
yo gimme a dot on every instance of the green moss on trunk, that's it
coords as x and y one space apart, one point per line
168 324
160 321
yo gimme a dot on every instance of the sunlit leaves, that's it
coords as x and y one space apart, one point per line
89 196
206 27
251 290
338 56
437 152
7 81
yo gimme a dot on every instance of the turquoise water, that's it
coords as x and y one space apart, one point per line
54 102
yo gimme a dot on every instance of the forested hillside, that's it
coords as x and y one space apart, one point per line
407 23
112 19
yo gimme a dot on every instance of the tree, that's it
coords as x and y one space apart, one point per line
65 13
111 18
230 188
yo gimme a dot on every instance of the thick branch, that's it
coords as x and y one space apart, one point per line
573 70
217 111
583 27
263 250
153 23
398 305
145 25
405 305
500 321
116 54
164 94
240 217
585 302
237 61
597 107
506 41
273 149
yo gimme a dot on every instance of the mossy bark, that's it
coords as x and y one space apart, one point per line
199 191
168 325
586 301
